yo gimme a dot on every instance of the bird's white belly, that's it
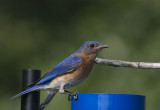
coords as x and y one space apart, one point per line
62 81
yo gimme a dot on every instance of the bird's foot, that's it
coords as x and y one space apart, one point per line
75 96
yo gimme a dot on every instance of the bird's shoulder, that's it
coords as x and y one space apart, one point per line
72 62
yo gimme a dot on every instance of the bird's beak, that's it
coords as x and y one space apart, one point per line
104 46
101 47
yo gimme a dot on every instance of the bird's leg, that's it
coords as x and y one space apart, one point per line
51 94
61 90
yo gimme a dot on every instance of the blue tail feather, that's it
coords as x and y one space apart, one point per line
27 91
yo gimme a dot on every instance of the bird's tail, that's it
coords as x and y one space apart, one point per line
27 91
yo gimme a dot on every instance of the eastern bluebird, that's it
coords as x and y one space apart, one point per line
68 73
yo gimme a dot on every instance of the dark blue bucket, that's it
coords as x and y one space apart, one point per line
106 101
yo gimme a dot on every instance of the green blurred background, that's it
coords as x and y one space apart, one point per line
38 34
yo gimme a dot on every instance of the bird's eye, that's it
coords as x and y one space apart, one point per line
91 45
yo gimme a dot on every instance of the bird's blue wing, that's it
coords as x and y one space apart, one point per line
66 66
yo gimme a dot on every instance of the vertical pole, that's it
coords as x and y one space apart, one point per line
30 101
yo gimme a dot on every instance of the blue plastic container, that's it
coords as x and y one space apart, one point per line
106 101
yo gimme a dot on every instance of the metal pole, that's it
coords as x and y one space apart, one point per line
30 101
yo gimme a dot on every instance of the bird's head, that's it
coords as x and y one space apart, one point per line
92 47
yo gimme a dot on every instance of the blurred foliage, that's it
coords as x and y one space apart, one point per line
39 34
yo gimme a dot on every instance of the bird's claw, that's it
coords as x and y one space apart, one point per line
75 96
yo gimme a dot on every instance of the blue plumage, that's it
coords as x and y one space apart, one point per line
68 73
66 66
27 91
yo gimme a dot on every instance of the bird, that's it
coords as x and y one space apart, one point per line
68 73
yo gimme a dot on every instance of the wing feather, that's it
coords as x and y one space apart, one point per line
66 66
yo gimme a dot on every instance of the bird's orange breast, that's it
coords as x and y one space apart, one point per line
85 68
